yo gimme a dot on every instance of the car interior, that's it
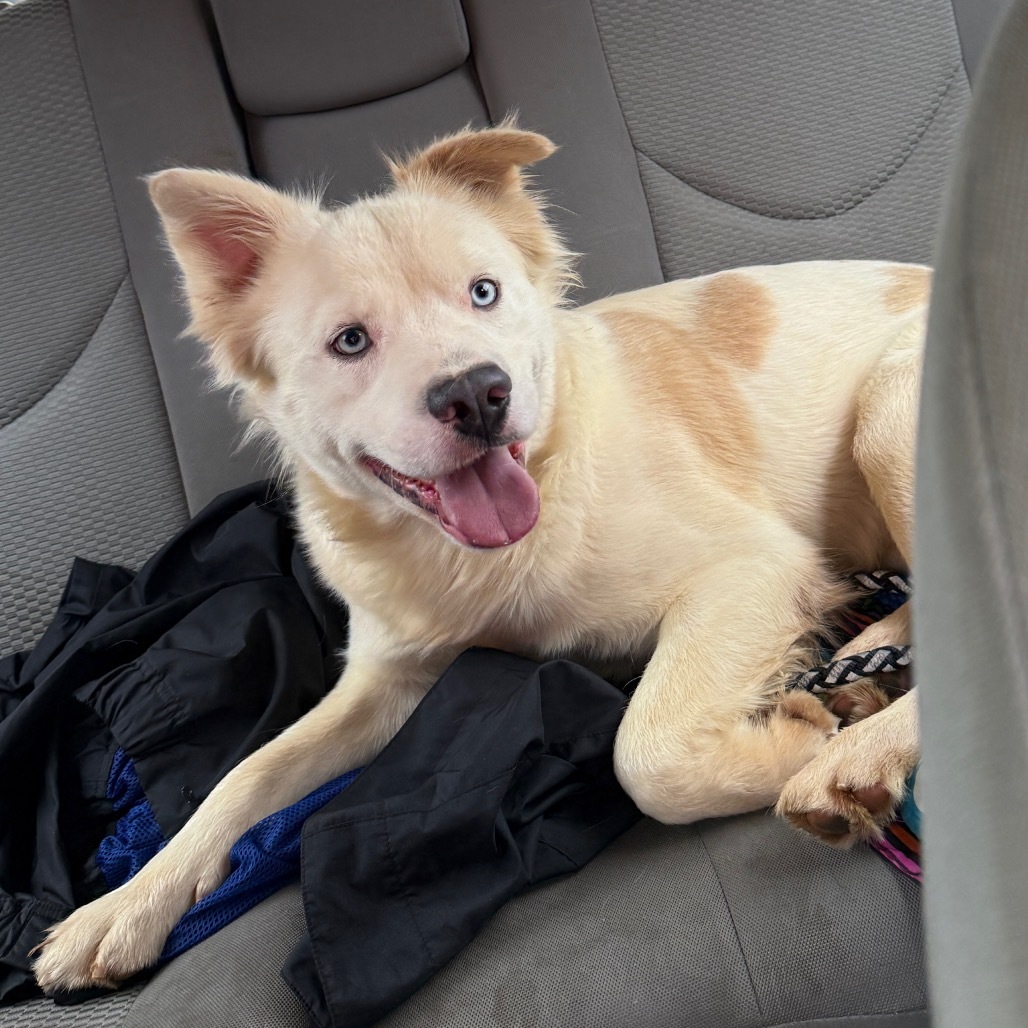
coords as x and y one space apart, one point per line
693 137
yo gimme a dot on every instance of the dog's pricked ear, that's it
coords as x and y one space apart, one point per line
489 161
221 228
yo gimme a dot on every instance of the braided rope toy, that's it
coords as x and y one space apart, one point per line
890 590
883 592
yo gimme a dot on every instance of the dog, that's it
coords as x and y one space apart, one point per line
676 479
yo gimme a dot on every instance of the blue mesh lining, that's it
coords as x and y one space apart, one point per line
137 836
263 860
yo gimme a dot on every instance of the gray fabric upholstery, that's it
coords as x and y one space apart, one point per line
972 556
342 149
87 471
158 100
977 20
734 923
545 60
87 466
104 1013
309 55
718 100
231 980
749 154
59 230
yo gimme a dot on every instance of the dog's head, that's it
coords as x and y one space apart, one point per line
402 346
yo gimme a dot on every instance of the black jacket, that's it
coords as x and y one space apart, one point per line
501 778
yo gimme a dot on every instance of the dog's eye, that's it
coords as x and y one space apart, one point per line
350 342
484 292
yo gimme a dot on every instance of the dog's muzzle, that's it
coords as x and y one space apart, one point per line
475 402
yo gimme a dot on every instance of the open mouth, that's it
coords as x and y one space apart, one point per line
489 503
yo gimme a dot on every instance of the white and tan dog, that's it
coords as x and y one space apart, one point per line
676 478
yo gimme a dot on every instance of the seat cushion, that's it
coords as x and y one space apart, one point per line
737 923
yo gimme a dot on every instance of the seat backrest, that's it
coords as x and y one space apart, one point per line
767 132
87 464
693 137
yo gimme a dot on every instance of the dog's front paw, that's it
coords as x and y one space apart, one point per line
114 937
851 790
104 942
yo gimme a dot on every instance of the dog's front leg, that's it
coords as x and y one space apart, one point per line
124 931
706 734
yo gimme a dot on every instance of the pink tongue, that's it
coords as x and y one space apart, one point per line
493 502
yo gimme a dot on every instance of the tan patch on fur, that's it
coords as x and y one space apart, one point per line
682 371
736 318
909 287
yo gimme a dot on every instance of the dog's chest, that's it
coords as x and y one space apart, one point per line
603 623
611 639
537 607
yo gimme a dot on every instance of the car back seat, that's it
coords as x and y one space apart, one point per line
694 136
693 139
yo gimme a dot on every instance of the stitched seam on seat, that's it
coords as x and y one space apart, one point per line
110 191
731 919
846 1019
333 108
457 10
78 358
864 192
31 401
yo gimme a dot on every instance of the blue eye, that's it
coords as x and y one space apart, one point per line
351 341
484 292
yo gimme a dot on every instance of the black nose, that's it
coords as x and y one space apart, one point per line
474 402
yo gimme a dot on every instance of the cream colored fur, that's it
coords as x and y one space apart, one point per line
711 456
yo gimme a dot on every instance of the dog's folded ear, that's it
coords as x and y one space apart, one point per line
487 162
486 167
221 229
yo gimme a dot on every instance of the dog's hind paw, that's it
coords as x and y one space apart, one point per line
856 701
851 790
798 705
